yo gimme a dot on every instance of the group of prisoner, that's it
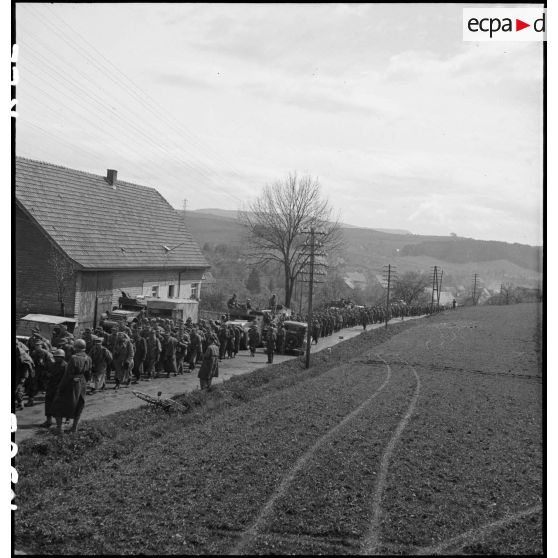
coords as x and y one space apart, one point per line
66 369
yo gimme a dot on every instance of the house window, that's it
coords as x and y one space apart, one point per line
194 290
155 291
171 291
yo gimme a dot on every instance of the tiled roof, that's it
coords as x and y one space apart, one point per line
355 277
104 228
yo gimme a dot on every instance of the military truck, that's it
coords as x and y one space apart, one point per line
246 319
175 308
295 337
269 316
114 318
126 302
44 323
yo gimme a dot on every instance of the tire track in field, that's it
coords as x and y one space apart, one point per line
441 333
451 335
371 540
249 534
475 535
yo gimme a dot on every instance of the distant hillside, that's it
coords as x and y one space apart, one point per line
389 231
467 250
233 213
367 250
224 213
392 231
213 229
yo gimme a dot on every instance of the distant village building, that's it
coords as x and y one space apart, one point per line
208 283
208 279
355 280
446 297
83 239
483 295
381 280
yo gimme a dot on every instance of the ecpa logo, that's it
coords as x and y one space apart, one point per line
504 24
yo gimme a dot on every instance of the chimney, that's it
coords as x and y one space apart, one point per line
111 177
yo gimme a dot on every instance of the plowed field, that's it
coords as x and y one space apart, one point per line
426 438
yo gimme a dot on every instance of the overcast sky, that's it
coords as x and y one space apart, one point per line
405 125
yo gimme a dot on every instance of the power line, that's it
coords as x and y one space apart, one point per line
435 288
390 272
124 123
124 133
440 287
61 139
475 289
152 105
103 131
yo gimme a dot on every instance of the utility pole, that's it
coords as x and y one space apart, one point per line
313 254
434 288
301 285
310 293
440 286
390 271
475 289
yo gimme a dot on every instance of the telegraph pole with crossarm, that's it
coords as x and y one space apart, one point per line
311 281
390 272
475 289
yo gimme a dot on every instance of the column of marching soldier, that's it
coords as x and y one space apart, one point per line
67 368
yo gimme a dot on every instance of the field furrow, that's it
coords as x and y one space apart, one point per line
416 440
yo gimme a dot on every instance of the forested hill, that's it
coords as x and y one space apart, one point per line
468 250
364 247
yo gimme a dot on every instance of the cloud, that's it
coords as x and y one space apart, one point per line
385 103
182 80
308 98
483 63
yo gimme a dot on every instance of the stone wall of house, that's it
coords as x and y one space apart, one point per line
35 279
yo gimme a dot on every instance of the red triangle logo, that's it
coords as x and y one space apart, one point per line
519 25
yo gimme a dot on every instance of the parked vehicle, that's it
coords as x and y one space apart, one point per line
295 337
245 325
44 323
269 316
126 302
246 319
175 308
115 317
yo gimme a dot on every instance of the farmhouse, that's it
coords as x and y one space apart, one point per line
446 297
355 280
83 239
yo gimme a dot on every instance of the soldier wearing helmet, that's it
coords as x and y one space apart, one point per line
101 359
69 399
123 359
55 373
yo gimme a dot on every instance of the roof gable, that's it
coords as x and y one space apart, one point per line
101 227
355 277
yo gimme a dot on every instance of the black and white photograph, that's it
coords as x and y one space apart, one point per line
278 278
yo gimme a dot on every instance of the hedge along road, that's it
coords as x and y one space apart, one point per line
401 449
108 402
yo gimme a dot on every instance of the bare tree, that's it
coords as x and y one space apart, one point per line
410 286
278 222
64 273
507 293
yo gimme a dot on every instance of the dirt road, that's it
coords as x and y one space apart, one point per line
110 401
